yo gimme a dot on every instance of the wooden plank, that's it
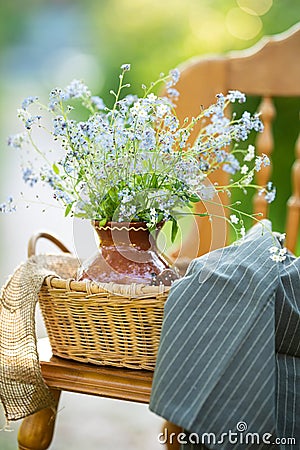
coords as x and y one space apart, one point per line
293 212
110 382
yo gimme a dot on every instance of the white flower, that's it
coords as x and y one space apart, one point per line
275 257
278 255
162 110
250 153
136 107
248 178
243 232
125 67
234 219
142 113
151 97
244 169
282 251
152 212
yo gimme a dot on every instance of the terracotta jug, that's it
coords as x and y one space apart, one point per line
127 254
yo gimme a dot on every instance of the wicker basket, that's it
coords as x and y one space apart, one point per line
105 324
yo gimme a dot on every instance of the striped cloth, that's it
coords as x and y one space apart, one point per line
228 360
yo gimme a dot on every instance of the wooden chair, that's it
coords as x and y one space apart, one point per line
271 68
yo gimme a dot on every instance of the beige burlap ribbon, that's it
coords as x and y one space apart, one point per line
22 388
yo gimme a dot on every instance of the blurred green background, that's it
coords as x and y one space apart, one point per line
48 43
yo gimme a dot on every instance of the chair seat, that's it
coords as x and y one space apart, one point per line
111 382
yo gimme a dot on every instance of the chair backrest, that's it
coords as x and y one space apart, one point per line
269 69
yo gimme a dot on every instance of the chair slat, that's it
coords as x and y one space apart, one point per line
264 146
293 208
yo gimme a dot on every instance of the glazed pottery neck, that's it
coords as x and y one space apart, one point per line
129 234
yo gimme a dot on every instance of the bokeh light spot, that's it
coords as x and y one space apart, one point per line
207 26
255 7
242 25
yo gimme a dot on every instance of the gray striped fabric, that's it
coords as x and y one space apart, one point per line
230 347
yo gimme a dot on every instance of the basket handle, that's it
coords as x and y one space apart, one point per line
34 239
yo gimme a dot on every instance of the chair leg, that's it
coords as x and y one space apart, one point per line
36 431
171 431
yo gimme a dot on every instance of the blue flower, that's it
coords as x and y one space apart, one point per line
125 67
257 124
59 126
27 118
173 78
171 122
29 177
148 139
232 96
31 121
173 93
98 102
77 89
17 140
28 101
270 193
55 97
59 194
261 161
8 207
232 165
207 192
204 166
220 101
175 75
270 196
218 125
221 155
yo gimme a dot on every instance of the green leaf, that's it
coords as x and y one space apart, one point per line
55 169
102 222
194 198
174 230
68 209
153 181
81 215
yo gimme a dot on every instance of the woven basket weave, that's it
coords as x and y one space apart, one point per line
105 324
